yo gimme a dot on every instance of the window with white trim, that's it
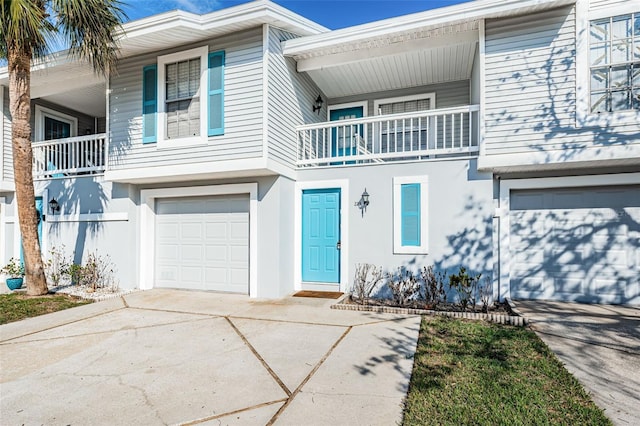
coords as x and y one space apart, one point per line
183 98
614 59
410 214
409 134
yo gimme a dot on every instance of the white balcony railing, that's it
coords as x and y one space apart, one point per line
393 137
81 155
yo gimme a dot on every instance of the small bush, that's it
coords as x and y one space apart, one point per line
56 267
404 286
466 286
96 272
434 289
367 278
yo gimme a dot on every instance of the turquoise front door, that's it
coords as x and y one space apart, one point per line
321 235
345 139
39 209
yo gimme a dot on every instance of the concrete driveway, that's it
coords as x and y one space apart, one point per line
180 357
600 346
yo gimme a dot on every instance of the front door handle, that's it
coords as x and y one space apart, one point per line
338 245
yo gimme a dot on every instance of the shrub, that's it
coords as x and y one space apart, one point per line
13 269
366 280
56 267
96 272
466 287
434 285
404 286
485 289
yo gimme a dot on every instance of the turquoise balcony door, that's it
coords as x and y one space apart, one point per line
344 139
321 235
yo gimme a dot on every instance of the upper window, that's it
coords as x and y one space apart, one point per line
408 134
410 215
614 58
183 98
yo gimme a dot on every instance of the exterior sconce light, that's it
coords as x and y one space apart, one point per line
317 106
54 206
363 202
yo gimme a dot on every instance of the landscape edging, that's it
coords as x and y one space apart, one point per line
518 321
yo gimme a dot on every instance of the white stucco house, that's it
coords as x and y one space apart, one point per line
231 150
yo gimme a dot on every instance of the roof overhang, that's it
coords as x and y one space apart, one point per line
175 28
431 47
383 32
65 80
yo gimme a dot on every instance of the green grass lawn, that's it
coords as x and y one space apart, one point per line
475 373
17 306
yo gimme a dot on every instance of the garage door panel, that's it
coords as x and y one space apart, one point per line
216 231
203 243
168 252
569 286
191 230
611 285
168 230
216 253
577 244
239 253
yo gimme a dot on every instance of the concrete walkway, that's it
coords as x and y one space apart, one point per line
181 357
600 346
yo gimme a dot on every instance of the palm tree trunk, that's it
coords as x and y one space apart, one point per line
19 62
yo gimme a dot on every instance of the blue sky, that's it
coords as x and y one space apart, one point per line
332 14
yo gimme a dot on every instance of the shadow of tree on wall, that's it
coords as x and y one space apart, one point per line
81 195
548 112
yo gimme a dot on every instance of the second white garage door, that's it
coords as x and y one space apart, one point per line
576 244
203 243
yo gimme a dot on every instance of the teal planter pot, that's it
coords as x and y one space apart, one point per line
14 283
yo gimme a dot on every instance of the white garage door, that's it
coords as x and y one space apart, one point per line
203 243
576 244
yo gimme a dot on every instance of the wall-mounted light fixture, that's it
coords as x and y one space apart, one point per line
317 106
54 206
363 202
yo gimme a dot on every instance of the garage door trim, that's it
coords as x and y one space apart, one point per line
147 225
502 284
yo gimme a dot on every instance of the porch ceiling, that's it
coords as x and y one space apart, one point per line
409 59
71 84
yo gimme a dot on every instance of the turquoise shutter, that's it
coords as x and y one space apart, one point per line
410 208
215 101
149 103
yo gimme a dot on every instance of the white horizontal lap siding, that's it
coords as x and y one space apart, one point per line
291 97
530 94
448 95
7 173
606 4
242 108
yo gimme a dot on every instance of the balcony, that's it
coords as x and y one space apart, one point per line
77 156
395 137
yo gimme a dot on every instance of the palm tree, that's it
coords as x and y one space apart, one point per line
28 27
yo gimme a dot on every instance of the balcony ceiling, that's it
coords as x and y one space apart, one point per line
410 59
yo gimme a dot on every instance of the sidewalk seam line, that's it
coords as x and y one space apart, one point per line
230 413
306 379
262 360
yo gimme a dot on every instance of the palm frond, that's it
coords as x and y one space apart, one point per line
25 27
90 26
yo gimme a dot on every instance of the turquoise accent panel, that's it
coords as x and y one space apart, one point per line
39 209
150 104
344 141
410 208
215 99
320 235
